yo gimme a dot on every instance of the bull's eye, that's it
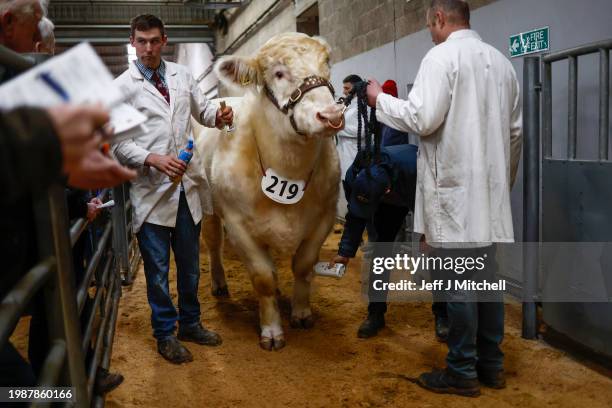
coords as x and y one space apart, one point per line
278 74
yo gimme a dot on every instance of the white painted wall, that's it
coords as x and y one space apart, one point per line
197 57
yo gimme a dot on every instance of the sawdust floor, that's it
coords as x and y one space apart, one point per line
327 366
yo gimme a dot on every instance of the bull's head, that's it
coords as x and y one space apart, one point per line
292 71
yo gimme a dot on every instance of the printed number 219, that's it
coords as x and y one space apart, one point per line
292 190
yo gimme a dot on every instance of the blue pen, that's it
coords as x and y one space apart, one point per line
53 84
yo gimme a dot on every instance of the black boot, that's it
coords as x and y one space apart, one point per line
371 325
199 334
173 351
445 382
492 379
374 322
106 381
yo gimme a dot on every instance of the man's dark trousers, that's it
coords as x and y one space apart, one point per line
476 328
387 221
155 242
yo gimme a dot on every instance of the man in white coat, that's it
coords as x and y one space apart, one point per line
347 138
167 213
465 106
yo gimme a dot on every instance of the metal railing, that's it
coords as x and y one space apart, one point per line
603 49
535 92
127 251
114 254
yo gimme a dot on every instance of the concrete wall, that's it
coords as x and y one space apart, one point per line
355 26
280 19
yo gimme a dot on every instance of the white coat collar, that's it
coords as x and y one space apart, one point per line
461 34
146 85
136 74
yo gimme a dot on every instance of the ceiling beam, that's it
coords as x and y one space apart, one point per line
121 12
119 34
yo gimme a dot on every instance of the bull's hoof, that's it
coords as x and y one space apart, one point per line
269 343
302 323
222 291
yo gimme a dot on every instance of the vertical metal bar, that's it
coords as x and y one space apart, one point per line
66 286
531 195
120 244
572 108
547 109
604 102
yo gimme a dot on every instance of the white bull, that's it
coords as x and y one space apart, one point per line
293 144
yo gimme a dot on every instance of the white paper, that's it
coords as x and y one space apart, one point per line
76 76
107 204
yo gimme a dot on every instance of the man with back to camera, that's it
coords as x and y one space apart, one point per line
465 106
166 195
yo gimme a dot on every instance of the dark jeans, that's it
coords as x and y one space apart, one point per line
154 242
476 328
387 221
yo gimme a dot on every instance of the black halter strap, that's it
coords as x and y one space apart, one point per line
308 84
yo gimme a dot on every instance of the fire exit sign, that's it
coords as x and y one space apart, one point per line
529 42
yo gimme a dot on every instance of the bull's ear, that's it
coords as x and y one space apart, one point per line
237 71
323 43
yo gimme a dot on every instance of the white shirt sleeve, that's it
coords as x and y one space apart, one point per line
427 105
130 154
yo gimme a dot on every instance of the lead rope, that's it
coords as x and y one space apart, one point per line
370 127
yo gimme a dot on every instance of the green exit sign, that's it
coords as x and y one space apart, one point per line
529 42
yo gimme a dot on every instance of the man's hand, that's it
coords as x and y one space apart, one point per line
87 168
95 170
75 127
339 259
92 208
373 90
225 116
170 165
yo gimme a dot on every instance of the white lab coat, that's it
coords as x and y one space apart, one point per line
465 105
347 150
154 196
347 139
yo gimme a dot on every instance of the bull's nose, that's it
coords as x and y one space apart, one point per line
332 117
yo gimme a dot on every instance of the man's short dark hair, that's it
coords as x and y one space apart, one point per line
353 79
145 22
458 11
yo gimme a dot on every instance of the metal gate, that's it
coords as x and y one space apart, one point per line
567 198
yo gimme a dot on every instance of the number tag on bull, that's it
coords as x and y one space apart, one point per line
280 189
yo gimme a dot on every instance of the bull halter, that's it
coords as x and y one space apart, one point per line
308 84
